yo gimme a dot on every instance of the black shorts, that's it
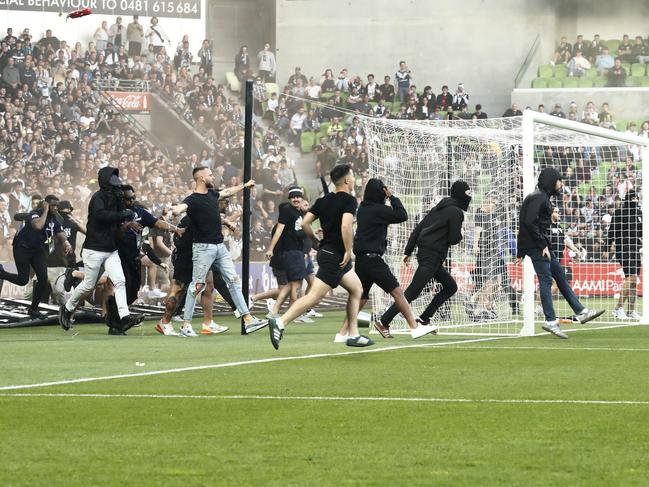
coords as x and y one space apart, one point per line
280 275
308 263
183 268
293 263
631 265
329 270
373 270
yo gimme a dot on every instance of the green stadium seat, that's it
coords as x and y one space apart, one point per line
571 82
554 83
307 141
600 82
539 83
645 81
324 126
627 68
638 69
621 125
592 73
560 71
634 80
612 45
273 88
232 81
546 71
395 106
373 104
585 82
326 96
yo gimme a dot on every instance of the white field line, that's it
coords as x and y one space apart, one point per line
274 359
602 402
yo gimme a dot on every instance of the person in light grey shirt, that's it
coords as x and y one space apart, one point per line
266 62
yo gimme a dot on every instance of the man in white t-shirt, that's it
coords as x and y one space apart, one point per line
296 125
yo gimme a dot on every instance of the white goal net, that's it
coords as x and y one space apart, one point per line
419 160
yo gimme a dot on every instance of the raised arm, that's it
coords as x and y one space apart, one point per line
227 192
38 222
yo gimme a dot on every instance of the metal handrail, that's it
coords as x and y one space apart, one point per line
530 54
115 84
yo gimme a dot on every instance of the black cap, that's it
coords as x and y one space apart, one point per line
65 205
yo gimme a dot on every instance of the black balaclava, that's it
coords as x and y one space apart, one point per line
548 180
459 193
374 191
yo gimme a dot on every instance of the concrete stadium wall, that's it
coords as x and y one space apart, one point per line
627 103
611 19
481 43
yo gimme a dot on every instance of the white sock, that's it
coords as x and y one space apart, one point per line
280 323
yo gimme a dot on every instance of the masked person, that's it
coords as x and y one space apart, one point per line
31 247
105 214
534 222
435 233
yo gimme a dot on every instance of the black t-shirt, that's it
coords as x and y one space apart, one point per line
30 238
292 235
203 212
58 257
330 209
275 260
130 244
183 243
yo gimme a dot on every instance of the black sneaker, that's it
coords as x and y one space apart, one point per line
130 321
276 332
423 321
359 341
65 318
116 332
69 279
36 315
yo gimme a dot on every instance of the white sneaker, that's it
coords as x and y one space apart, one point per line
186 330
554 328
620 314
422 330
212 328
270 304
314 314
178 319
341 338
304 319
156 293
167 329
634 315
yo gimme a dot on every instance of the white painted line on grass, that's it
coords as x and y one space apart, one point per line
603 402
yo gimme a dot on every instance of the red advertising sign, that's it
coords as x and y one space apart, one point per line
131 101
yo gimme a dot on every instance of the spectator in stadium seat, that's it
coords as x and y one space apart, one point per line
205 56
580 45
639 50
117 34
595 48
479 114
578 65
625 50
403 78
371 89
296 126
444 99
242 64
513 111
461 98
380 110
617 74
297 75
563 52
387 90
540 108
604 61
605 116
135 36
313 90
342 82
464 113
557 112
11 76
157 36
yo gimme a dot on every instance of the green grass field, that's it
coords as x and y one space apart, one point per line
439 411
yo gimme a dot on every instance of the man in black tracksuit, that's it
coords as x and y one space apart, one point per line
370 242
31 246
625 232
534 222
105 213
440 229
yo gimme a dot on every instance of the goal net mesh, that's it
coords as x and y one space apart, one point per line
419 160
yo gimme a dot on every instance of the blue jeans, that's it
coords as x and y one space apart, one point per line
403 93
546 270
203 257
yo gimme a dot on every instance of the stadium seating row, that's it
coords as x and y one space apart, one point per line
586 82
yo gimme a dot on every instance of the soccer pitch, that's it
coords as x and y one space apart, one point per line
229 410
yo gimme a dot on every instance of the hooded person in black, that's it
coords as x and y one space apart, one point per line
370 242
625 232
533 240
105 213
437 231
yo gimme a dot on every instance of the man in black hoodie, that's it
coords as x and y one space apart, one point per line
625 232
105 213
370 242
440 229
533 240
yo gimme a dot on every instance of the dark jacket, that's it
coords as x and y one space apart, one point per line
535 216
104 214
373 218
440 229
625 230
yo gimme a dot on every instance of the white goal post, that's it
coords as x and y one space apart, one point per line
501 158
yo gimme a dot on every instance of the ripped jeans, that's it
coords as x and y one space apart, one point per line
203 257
